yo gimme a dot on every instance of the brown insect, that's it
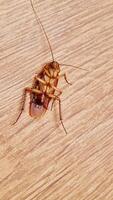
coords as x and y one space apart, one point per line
44 88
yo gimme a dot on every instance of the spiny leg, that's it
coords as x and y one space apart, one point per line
41 80
57 90
60 111
65 77
52 104
47 73
49 84
22 106
26 90
60 92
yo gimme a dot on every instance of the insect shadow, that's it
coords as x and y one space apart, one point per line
44 87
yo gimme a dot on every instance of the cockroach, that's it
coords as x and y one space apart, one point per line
44 88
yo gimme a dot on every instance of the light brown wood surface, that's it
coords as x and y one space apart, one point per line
37 160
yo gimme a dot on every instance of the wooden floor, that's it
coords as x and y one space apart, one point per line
37 160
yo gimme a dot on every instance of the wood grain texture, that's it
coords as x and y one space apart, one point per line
37 160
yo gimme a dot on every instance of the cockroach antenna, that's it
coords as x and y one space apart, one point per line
47 38
42 27
63 64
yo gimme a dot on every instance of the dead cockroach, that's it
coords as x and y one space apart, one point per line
44 87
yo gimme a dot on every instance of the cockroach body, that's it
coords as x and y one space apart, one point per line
44 88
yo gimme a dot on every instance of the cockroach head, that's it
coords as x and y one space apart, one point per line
55 65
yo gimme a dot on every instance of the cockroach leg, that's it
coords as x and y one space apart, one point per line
48 84
40 80
60 92
22 105
65 77
52 104
56 89
54 97
47 73
36 91
26 90
60 114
